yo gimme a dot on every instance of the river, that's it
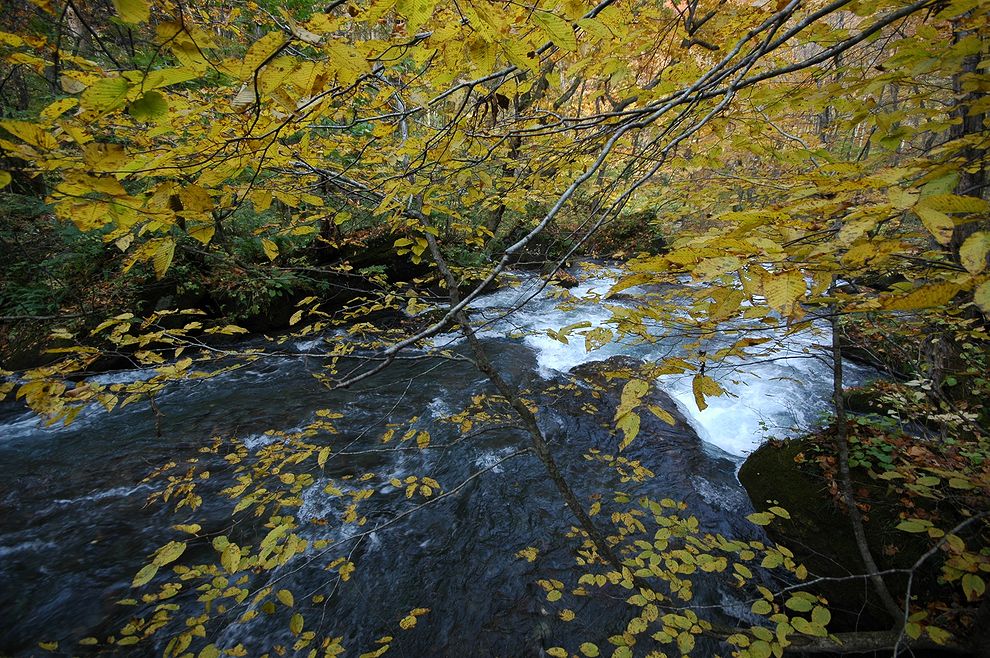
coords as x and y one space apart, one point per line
75 525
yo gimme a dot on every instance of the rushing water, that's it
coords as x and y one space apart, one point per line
75 527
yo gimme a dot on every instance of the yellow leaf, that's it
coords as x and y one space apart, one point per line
416 12
170 552
953 203
230 558
557 29
703 385
629 424
982 296
29 133
201 232
146 573
973 252
4 179
105 95
259 52
48 646
589 649
271 249
58 108
926 296
132 11
104 157
662 414
163 256
209 651
783 290
285 596
938 224
296 624
529 553
349 62
407 622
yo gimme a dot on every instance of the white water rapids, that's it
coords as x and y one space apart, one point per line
781 394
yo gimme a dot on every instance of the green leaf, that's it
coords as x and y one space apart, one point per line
4 179
146 573
296 624
105 95
760 518
589 649
913 525
760 649
798 604
762 607
973 586
150 106
938 635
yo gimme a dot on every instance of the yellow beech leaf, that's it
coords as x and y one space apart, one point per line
285 596
416 12
201 232
783 290
146 573
407 622
954 203
349 62
662 414
703 385
132 11
162 258
926 296
973 252
529 554
938 223
170 552
589 649
105 95
230 558
259 52
632 394
271 249
296 624
982 296
629 424
556 28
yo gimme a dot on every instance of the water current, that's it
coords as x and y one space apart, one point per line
75 526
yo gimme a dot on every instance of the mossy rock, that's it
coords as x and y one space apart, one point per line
819 531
